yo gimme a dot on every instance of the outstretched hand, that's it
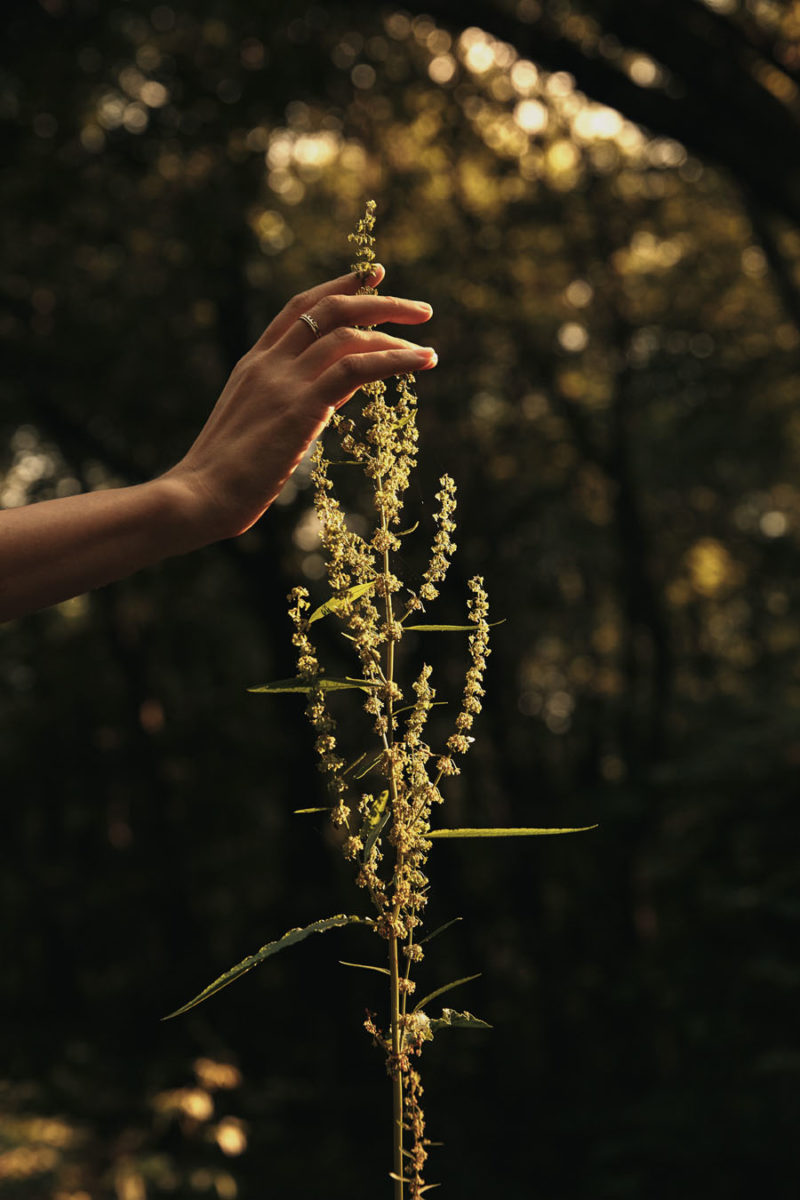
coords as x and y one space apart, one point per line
281 395
277 400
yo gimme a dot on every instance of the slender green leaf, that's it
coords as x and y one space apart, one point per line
440 929
502 833
374 822
439 628
411 528
448 987
408 707
399 1178
325 808
371 765
352 766
365 967
448 628
288 939
373 835
325 682
457 1020
336 603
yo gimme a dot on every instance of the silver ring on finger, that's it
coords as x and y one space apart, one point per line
311 323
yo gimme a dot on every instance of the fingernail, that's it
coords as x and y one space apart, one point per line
376 274
428 356
423 306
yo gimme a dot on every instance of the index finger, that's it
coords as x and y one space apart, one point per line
345 285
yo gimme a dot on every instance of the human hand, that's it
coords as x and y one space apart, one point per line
281 394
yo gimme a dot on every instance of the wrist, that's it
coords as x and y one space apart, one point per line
193 514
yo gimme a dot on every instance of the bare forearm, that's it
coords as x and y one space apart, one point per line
61 548
309 361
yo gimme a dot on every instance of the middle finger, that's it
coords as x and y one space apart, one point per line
334 312
344 341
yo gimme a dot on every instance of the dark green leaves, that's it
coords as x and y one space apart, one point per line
365 967
324 682
337 603
439 628
374 822
448 987
503 833
457 1020
288 939
440 929
447 628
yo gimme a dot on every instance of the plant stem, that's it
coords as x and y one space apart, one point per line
397 1077
394 968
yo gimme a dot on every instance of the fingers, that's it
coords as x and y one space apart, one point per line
344 285
345 341
340 381
336 311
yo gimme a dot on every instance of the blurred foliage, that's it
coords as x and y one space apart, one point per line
616 313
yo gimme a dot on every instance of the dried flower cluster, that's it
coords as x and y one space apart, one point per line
387 827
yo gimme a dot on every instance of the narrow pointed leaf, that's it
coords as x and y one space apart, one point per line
440 929
325 682
337 603
371 765
399 1178
325 808
373 835
374 823
448 987
247 964
503 833
408 707
457 1020
448 628
354 764
365 967
439 628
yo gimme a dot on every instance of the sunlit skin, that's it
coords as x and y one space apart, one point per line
279 397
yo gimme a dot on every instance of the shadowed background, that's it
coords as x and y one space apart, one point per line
602 202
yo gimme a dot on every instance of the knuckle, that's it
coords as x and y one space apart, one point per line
343 334
350 368
327 310
299 303
246 365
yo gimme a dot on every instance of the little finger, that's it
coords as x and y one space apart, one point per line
346 340
341 380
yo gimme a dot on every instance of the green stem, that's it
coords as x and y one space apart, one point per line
394 968
397 1075
410 943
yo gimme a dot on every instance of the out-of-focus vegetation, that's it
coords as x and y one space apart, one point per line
616 313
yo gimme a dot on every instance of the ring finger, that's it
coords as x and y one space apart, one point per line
334 312
345 341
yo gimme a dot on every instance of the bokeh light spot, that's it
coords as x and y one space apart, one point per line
531 116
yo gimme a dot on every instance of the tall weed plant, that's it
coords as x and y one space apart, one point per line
387 801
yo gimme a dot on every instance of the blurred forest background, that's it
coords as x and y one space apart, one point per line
602 202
